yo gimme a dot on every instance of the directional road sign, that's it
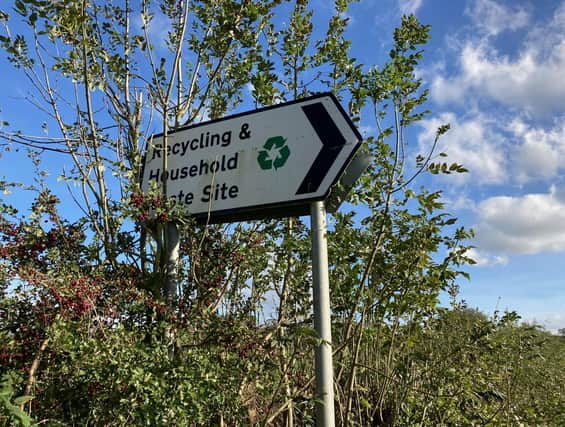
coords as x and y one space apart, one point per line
268 162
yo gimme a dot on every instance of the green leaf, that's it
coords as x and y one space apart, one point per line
22 400
20 7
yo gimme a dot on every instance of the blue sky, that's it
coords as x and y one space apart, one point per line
495 70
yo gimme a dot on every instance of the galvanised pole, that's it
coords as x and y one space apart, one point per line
325 416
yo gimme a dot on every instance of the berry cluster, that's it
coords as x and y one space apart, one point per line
22 244
143 205
159 307
79 299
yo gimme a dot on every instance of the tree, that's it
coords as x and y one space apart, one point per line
86 315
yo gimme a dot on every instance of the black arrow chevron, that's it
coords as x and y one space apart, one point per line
332 143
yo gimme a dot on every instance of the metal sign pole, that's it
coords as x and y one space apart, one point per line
322 317
171 279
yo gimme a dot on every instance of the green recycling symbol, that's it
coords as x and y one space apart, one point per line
275 153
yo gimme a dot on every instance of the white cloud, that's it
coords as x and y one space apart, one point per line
530 81
551 322
410 6
461 202
470 142
540 153
491 17
546 37
527 83
484 259
529 224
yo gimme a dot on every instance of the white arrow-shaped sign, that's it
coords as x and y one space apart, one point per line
267 162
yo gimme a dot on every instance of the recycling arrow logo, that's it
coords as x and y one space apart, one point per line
275 153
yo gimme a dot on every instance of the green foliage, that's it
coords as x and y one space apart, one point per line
131 377
10 411
468 369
